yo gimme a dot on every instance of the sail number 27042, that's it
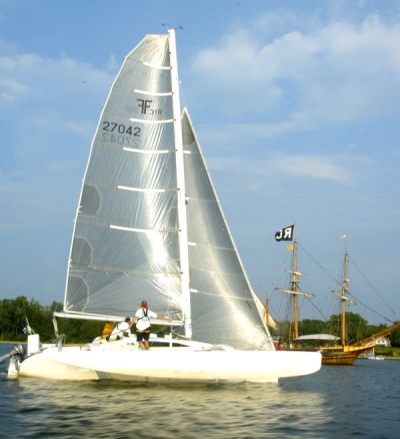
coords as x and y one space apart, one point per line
120 134
120 128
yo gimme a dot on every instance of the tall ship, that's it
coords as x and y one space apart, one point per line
335 349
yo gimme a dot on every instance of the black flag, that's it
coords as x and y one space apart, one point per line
285 234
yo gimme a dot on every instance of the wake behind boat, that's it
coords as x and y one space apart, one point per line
149 226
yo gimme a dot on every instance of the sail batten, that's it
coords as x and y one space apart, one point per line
152 121
156 66
131 229
152 93
141 151
136 189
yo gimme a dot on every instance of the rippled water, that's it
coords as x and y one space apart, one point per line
357 401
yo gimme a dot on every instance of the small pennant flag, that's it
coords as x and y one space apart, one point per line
342 237
285 234
289 247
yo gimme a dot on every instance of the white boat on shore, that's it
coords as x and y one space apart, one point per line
374 356
149 225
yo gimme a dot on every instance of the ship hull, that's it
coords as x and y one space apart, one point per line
168 365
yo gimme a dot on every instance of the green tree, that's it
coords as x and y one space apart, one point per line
395 337
15 313
357 327
13 317
310 326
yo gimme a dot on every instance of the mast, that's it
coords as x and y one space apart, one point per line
294 282
266 307
180 177
343 294
345 282
294 291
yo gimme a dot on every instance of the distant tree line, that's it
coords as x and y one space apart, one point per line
14 314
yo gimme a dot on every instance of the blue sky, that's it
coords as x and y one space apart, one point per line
296 105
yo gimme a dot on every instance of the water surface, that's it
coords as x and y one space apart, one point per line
337 402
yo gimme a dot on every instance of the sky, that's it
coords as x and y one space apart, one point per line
296 106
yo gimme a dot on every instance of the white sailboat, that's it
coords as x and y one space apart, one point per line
150 226
374 356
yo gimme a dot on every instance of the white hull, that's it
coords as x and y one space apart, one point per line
166 365
374 357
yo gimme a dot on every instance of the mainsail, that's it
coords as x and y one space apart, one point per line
149 224
125 243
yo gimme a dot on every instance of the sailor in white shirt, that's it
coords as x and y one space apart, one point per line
123 329
142 320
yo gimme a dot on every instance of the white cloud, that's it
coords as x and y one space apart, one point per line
49 80
79 127
112 63
335 168
316 167
43 95
11 90
235 135
339 73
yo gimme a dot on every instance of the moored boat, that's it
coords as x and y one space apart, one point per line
344 353
336 350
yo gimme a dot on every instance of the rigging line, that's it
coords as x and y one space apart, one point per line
370 309
320 266
313 304
335 280
316 307
370 284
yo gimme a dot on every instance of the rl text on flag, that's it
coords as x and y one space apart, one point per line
285 234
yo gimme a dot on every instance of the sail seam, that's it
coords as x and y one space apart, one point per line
127 273
152 121
134 189
156 66
226 296
132 229
213 247
141 151
152 93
